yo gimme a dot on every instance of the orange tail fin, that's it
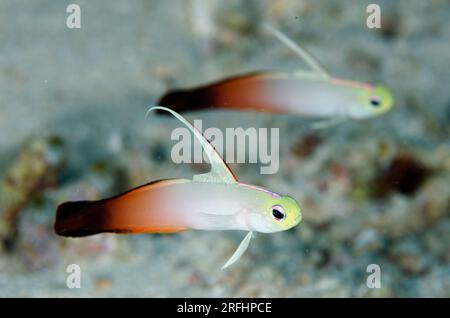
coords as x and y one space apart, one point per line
84 218
124 213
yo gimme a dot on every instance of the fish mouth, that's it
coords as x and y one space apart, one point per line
298 219
294 222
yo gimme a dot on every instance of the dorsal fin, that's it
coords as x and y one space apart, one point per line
304 55
219 169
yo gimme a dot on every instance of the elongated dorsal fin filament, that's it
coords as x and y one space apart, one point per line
219 169
304 55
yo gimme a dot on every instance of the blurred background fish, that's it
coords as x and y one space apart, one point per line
307 93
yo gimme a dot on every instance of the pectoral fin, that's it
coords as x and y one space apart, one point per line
239 251
327 123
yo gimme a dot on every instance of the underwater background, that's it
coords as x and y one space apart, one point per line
72 127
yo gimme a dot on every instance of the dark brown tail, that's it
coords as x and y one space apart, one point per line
189 100
73 219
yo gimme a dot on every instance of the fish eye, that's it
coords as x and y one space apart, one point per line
278 213
375 101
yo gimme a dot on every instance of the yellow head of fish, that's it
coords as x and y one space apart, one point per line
276 213
376 101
